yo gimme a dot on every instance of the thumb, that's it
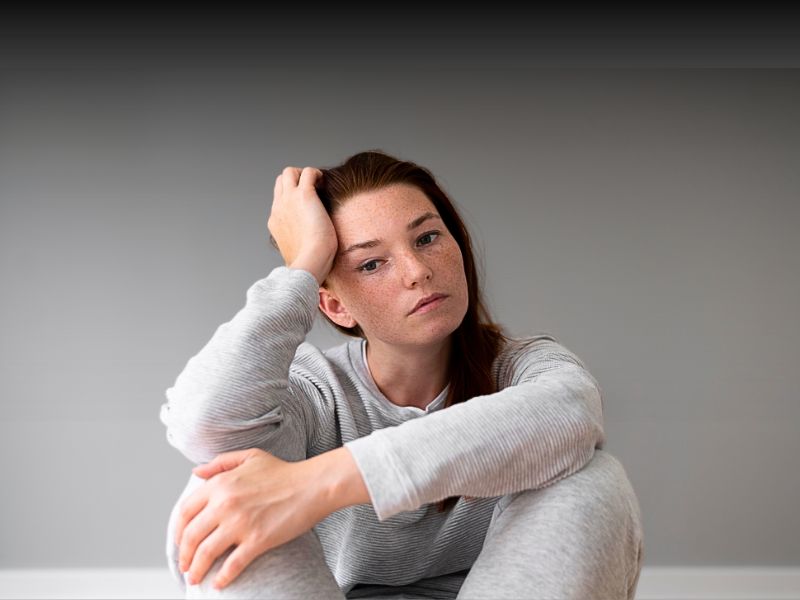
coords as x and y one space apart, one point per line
222 462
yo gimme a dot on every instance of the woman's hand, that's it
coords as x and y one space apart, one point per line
252 500
300 225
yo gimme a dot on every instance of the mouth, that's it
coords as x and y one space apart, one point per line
428 301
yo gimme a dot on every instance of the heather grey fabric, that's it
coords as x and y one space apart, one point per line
551 515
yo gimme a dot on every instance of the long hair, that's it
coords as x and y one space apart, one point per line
477 340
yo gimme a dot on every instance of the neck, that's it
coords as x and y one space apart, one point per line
409 375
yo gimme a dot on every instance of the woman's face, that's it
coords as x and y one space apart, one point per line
394 250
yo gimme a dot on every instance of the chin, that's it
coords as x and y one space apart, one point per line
441 330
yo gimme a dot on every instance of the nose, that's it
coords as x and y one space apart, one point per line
415 270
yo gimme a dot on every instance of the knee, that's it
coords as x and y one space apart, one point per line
171 547
596 505
614 491
604 491
610 506
598 493
191 485
591 517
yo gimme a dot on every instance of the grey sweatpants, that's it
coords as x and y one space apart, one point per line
580 538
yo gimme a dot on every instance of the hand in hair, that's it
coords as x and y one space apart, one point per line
300 225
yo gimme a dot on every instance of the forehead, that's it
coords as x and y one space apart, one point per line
391 206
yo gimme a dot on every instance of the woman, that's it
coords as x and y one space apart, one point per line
429 456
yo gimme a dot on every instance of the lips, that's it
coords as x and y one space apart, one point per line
423 301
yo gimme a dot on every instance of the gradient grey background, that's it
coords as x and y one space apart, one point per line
647 215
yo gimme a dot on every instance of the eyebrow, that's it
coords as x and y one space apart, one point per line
410 227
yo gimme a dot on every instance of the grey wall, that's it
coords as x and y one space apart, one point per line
647 216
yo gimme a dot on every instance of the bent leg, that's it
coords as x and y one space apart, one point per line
580 537
296 569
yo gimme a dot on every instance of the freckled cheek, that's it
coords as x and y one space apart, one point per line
457 279
451 265
375 300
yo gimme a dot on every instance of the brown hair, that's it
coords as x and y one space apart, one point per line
477 341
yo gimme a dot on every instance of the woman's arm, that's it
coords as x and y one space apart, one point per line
543 426
234 393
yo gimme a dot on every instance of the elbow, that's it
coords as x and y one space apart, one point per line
592 435
589 409
588 423
204 432
583 429
194 452
580 400
188 435
577 445
190 442
202 441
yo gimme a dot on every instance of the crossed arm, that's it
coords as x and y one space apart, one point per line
541 428
542 425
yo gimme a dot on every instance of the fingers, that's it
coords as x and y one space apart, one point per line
207 470
195 538
190 506
291 176
209 550
222 462
236 562
308 176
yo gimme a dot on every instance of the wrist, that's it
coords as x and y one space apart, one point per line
319 268
340 480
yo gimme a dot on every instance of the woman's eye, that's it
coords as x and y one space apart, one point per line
423 240
427 235
366 264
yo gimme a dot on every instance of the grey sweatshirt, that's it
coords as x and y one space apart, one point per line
258 383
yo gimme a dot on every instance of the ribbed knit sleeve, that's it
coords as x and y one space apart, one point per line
544 424
235 393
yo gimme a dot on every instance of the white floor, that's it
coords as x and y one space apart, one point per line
655 583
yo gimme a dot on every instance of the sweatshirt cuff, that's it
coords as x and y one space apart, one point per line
389 488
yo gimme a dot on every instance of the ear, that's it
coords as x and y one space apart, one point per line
333 307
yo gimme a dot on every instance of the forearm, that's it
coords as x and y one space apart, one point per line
230 394
524 437
339 479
